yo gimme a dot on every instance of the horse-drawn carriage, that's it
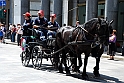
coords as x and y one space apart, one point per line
36 50
88 38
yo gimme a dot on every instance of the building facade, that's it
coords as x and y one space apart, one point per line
110 9
69 11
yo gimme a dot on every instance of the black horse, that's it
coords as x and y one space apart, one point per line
87 38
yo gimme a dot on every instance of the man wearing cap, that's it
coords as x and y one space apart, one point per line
41 23
52 26
28 23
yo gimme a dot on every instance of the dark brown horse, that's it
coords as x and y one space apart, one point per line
87 38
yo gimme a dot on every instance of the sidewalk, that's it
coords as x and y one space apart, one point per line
118 56
8 41
104 55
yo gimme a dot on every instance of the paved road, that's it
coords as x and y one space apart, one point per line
12 71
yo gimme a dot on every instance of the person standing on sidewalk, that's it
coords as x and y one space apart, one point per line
19 34
9 31
4 32
112 45
1 34
13 33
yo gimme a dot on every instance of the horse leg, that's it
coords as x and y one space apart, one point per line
63 60
79 64
84 75
73 61
60 66
56 61
96 68
56 58
65 63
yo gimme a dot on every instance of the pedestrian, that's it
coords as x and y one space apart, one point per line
19 34
1 35
13 33
53 26
112 45
9 31
77 23
40 23
4 32
27 26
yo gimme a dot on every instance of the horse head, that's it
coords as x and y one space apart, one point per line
99 29
105 29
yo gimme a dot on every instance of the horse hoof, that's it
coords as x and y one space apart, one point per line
60 71
85 77
68 74
98 75
78 71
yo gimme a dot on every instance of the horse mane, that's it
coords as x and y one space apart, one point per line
90 25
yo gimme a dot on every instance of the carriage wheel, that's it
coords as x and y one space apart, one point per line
25 57
37 57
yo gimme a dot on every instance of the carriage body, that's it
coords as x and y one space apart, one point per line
36 50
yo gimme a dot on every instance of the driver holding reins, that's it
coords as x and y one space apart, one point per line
40 23
27 25
53 26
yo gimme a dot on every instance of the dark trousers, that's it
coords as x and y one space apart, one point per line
13 36
19 39
112 48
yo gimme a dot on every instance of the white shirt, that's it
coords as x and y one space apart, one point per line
2 29
10 27
19 31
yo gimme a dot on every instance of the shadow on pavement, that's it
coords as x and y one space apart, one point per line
101 79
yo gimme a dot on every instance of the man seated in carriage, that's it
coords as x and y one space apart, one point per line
40 24
53 26
27 25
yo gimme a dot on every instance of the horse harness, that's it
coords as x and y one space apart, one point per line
82 31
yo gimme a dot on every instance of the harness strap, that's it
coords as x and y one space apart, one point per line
84 35
86 31
77 36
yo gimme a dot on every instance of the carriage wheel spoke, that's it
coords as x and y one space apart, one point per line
25 58
36 57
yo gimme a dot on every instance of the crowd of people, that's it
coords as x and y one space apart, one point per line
15 30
